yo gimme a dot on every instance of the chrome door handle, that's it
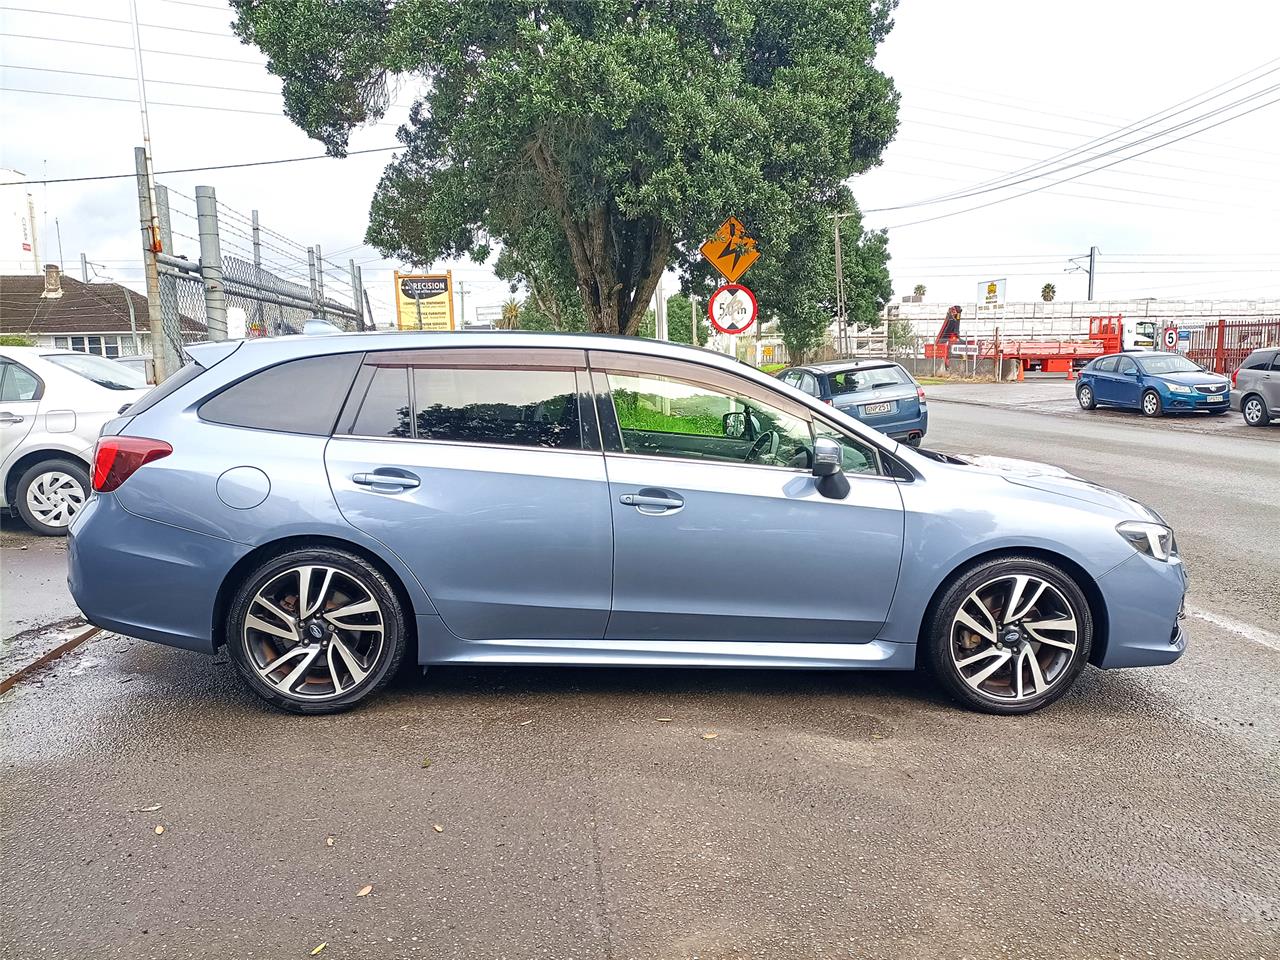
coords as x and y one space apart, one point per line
386 480
10 418
644 500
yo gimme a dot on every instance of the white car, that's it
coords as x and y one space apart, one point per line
53 403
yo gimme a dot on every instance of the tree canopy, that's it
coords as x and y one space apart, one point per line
594 141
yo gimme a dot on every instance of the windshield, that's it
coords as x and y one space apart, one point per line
103 372
1170 364
866 378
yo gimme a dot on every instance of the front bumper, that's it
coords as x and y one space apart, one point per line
144 578
1144 602
1197 401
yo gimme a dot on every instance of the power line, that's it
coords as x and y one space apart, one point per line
168 83
88 16
217 166
125 46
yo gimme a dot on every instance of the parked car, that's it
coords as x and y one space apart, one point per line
880 393
326 506
1255 387
1152 382
142 364
52 404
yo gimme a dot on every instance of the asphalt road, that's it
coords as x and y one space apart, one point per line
586 813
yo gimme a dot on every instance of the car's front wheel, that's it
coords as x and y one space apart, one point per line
1086 398
1010 636
1152 406
50 494
1255 412
316 630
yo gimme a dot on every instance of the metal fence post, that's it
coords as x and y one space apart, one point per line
215 295
170 344
320 281
259 322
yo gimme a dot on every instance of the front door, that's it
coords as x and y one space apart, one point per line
720 533
1127 389
482 471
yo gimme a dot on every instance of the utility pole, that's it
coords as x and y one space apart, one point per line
659 313
320 281
311 265
693 320
1093 268
150 247
842 315
462 305
148 171
357 299
215 294
259 322
84 268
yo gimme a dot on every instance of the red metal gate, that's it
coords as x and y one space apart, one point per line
1222 346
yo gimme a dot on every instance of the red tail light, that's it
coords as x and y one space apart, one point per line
1233 378
920 392
116 458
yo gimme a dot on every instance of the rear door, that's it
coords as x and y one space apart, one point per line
20 392
482 470
1104 379
722 542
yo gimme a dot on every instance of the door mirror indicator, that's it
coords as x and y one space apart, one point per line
734 425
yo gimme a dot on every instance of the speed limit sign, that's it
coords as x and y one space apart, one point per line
1171 338
732 308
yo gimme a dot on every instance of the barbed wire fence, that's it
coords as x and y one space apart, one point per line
221 274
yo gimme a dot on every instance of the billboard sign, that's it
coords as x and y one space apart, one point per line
424 301
991 298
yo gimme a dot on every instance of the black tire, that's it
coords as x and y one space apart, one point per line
1085 397
382 665
1219 411
31 477
1151 404
938 641
1254 410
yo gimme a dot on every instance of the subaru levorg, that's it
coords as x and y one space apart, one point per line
325 506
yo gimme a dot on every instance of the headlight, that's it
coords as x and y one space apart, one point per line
1153 539
1179 388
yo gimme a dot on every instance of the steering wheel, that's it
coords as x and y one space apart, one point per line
766 445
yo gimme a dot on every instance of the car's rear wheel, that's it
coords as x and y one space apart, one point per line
1152 406
50 494
316 630
1255 412
1086 398
1010 636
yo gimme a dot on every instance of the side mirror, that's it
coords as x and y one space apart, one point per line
827 457
828 460
734 425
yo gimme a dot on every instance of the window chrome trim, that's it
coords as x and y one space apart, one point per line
467 444
794 471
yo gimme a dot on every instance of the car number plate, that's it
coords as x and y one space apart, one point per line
878 407
1216 399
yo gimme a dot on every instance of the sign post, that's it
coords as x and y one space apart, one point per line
424 301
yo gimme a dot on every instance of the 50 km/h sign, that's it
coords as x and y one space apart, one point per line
732 308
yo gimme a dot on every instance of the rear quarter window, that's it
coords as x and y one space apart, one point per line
161 390
298 396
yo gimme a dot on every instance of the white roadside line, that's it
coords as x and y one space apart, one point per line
1256 634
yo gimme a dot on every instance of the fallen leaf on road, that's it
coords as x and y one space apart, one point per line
664 719
159 829
525 723
437 828
319 948
151 809
365 890
125 680
710 736
328 841
426 762
876 736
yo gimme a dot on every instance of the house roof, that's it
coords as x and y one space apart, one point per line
82 308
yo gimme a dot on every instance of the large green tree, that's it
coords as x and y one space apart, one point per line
596 140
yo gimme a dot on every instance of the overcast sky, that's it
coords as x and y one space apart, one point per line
988 88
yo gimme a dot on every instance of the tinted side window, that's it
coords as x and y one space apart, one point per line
183 376
1125 365
527 408
17 383
384 411
1105 365
300 396
1258 361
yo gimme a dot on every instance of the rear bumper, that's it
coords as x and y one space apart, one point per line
1143 599
908 429
146 579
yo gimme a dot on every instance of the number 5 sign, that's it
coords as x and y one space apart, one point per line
732 308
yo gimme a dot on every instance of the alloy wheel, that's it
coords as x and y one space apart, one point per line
1253 411
54 498
1085 397
1014 637
1150 404
314 632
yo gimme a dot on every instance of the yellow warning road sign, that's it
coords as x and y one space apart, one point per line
731 251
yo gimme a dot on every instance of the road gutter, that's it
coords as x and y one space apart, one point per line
65 647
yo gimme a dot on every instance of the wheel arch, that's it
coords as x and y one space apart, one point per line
1088 586
263 552
28 460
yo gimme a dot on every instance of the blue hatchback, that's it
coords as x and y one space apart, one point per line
1153 382
880 393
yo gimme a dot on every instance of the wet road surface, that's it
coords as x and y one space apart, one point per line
585 813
